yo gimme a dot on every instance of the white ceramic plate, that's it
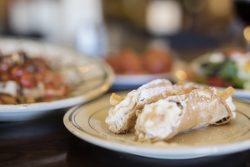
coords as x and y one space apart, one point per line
241 93
88 123
89 78
135 80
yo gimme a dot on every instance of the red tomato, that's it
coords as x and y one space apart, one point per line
215 81
17 72
4 67
114 62
157 61
130 62
27 80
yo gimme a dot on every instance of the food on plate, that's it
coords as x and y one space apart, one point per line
126 62
122 116
175 114
157 61
159 110
230 67
153 61
25 79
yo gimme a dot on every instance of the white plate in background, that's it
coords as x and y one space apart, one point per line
134 80
88 77
240 93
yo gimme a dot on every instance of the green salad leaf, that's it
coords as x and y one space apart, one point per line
238 83
228 70
210 69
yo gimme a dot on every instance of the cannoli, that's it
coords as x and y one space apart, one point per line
122 116
172 115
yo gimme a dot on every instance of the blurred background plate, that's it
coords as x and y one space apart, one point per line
132 81
199 76
88 78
